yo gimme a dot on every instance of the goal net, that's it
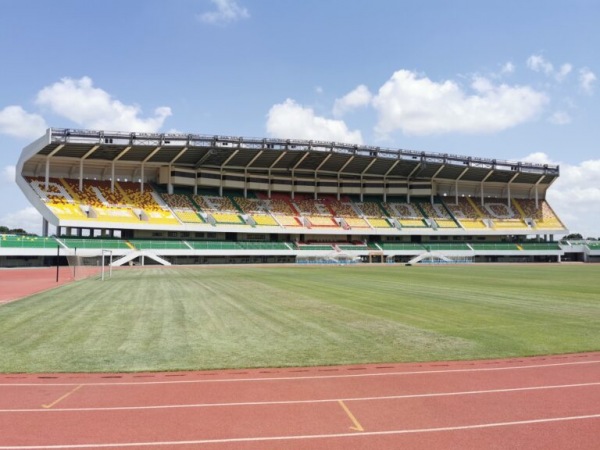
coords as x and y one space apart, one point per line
85 266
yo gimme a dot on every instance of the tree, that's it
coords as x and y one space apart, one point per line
573 236
20 231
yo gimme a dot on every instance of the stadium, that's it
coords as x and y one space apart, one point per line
272 293
197 199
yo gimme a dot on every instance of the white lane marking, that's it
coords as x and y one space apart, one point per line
298 402
307 436
311 377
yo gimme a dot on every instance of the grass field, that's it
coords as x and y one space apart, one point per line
231 317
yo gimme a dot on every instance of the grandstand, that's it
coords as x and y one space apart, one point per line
195 199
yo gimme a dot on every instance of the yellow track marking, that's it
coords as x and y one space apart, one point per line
357 426
50 405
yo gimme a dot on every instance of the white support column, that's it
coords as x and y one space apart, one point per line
142 179
483 181
536 197
293 188
83 158
269 181
482 194
170 185
81 174
112 177
50 155
508 190
47 176
362 188
456 192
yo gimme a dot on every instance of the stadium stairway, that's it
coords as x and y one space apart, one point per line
140 253
422 256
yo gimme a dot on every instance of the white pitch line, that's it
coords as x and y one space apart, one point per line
298 402
307 436
311 377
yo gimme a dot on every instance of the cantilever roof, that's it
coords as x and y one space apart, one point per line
278 156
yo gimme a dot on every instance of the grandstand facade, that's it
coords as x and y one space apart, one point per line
193 199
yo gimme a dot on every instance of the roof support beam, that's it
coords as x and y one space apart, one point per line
246 172
362 188
345 165
322 163
294 172
432 180
535 188
413 171
178 155
84 157
222 168
51 154
456 184
316 172
408 181
146 159
271 167
391 168
508 186
152 153
482 181
56 150
385 188
368 166
229 159
112 167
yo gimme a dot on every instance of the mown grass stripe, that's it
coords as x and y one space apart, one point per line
216 317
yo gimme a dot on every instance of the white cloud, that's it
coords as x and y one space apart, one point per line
575 195
564 70
419 106
560 118
91 107
537 63
29 219
16 122
587 78
539 158
8 175
227 11
293 121
508 68
361 96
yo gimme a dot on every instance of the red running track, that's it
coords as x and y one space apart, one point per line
550 402
18 283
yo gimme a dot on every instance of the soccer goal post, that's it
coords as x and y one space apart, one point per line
85 265
108 253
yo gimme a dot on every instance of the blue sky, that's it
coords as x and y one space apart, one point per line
503 79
